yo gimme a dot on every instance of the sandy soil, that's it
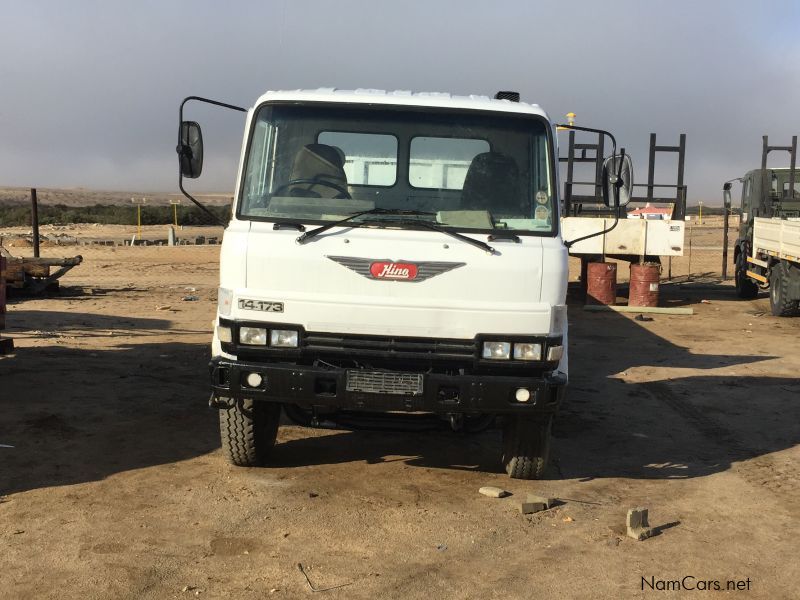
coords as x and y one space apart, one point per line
114 486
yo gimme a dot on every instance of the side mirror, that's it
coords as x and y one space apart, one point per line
190 150
617 180
726 195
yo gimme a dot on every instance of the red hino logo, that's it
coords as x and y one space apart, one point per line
392 270
387 269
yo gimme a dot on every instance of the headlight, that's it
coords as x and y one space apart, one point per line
283 338
496 350
224 301
253 336
555 352
527 351
224 334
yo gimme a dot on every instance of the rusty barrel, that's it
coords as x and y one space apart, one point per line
2 293
644 284
601 283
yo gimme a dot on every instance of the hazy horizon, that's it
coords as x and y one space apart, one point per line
91 89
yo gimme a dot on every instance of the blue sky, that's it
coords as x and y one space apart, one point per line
89 90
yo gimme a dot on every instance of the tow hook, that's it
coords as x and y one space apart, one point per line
220 403
456 421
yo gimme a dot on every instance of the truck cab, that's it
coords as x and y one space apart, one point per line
765 192
767 250
393 253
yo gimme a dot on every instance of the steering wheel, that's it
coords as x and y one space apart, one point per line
343 193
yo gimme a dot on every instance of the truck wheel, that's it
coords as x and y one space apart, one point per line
248 431
746 288
779 301
526 446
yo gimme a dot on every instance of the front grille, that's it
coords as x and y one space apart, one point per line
384 382
369 345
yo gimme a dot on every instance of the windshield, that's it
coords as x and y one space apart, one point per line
469 170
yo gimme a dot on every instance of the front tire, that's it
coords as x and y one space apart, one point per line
746 288
526 446
248 430
780 303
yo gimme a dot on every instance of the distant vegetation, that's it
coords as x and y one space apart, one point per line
60 214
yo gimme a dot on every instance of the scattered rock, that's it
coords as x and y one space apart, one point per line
535 504
313 494
643 318
441 547
493 492
637 526
568 519
165 307
705 301
190 298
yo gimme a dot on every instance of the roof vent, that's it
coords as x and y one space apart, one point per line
512 96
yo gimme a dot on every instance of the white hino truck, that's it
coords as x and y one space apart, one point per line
390 254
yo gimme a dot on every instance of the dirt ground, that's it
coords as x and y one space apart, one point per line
114 486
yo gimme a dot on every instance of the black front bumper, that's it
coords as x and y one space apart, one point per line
309 386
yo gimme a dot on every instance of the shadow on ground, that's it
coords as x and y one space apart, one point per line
81 414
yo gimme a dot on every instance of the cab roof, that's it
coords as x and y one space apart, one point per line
403 98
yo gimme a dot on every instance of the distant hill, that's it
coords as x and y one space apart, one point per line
11 196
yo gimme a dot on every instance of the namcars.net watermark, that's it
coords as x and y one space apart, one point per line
690 583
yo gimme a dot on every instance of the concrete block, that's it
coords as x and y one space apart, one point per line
493 492
535 504
638 527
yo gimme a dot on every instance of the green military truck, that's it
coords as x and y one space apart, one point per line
767 250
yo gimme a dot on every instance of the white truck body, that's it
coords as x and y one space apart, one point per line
427 278
512 292
779 238
650 237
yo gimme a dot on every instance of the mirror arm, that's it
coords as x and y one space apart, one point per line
570 243
592 130
184 149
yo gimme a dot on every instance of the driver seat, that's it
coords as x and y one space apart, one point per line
492 183
322 163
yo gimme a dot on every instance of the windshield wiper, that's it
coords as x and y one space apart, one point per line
375 211
435 227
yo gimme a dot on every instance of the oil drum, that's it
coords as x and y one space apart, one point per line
644 284
601 283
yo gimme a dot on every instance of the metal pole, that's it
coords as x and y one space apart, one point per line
725 243
35 222
651 168
175 213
